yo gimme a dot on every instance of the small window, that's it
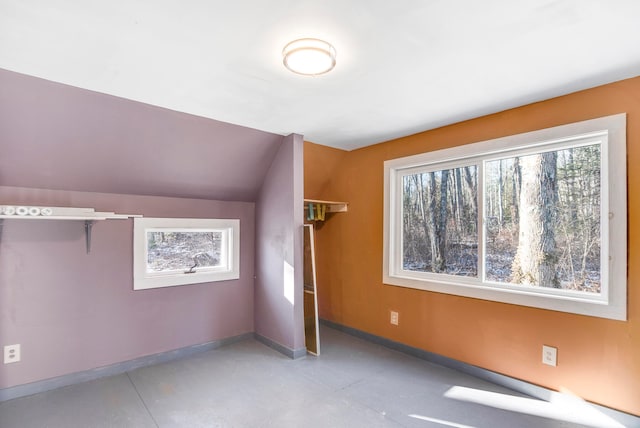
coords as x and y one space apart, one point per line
170 251
536 219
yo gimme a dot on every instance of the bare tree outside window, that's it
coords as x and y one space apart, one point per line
549 235
179 251
440 221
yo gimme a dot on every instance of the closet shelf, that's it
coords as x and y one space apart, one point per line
332 206
88 215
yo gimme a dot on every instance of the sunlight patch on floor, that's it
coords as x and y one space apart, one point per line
440 421
565 408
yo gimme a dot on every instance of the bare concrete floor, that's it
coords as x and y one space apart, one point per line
354 383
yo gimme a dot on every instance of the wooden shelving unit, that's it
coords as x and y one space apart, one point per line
312 332
332 206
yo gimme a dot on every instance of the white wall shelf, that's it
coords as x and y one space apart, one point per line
88 215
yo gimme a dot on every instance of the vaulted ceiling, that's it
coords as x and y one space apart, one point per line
404 66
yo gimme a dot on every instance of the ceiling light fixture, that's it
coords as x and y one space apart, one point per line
309 57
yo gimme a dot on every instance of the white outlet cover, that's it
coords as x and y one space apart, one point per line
394 318
549 355
11 354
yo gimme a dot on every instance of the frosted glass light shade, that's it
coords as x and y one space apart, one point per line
309 57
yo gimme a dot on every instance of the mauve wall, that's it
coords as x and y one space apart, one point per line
71 311
55 136
279 222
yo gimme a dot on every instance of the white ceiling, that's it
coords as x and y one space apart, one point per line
404 66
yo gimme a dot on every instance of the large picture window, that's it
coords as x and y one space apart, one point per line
171 251
537 219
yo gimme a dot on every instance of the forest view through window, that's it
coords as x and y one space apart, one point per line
169 251
541 221
540 215
181 251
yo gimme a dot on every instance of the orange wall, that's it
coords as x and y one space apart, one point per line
598 359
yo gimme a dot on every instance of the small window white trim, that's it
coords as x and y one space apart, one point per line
610 303
228 269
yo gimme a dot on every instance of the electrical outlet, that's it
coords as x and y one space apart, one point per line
394 318
549 355
11 354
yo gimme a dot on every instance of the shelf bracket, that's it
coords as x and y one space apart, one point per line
88 224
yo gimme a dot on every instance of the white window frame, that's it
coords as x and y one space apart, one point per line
228 269
611 303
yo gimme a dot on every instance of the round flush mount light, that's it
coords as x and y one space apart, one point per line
309 57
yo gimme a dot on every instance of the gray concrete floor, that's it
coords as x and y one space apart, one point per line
354 383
